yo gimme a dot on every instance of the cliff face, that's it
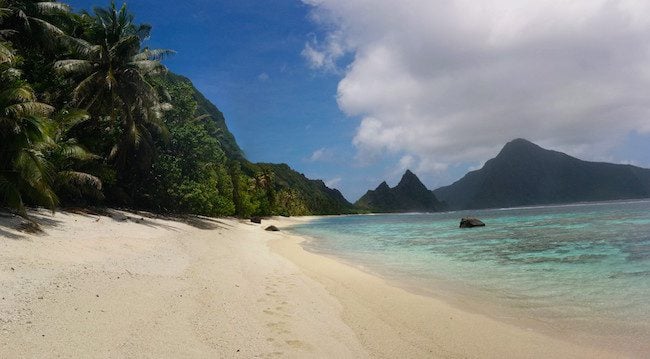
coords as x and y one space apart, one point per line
525 174
410 195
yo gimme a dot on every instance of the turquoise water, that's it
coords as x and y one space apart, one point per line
582 268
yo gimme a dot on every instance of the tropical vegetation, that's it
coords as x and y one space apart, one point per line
89 116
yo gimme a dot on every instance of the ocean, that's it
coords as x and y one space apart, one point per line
578 271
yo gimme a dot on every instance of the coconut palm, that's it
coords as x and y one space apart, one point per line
24 171
66 155
6 52
113 80
32 20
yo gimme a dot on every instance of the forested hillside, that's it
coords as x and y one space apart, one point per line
524 174
89 116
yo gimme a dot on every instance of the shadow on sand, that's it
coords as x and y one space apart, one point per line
15 227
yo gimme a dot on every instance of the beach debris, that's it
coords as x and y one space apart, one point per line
469 222
272 229
257 220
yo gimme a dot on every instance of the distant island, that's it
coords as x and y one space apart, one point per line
410 195
522 174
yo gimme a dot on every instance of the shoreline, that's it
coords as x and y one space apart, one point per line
99 286
382 311
468 300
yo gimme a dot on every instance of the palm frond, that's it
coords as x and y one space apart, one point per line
68 119
86 87
37 174
6 54
50 7
4 12
20 93
153 54
80 179
74 151
73 66
143 31
126 47
149 66
48 28
81 47
28 109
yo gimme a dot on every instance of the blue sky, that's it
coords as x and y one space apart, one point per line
354 93
245 56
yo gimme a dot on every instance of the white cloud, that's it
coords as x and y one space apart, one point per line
321 154
324 55
334 182
263 77
448 81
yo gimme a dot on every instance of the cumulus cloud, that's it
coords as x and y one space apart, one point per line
263 77
324 55
448 81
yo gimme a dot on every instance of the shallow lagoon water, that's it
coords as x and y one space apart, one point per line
582 267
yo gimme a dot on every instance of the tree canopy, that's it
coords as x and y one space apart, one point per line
91 116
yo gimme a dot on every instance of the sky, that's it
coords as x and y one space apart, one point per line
355 92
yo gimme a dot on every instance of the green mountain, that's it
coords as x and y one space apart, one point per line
303 195
294 189
410 195
525 174
146 139
316 196
204 107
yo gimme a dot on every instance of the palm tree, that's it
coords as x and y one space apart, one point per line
113 80
32 20
24 171
6 52
66 155
263 182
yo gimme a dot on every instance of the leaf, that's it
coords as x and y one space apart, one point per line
73 66
49 7
80 179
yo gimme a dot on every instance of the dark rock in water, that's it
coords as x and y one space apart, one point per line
272 229
470 222
257 220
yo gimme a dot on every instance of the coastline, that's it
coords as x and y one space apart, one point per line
132 286
612 337
392 321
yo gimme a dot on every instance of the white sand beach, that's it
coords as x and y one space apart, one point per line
135 286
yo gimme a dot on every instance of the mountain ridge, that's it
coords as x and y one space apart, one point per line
409 195
524 173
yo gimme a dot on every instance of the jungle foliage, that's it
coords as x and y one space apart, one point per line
90 116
